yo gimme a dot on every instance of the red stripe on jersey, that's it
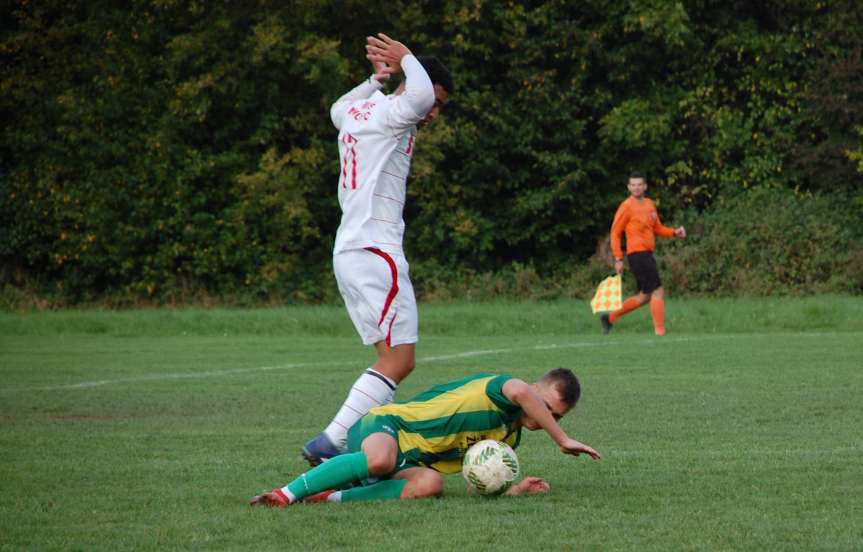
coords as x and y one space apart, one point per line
354 164
345 164
383 220
389 198
344 171
352 153
394 288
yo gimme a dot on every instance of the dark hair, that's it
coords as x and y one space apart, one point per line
437 72
637 174
566 384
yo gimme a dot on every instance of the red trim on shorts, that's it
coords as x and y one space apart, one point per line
394 289
390 329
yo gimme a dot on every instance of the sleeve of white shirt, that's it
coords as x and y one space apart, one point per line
364 90
411 106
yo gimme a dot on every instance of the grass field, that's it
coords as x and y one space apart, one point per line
742 429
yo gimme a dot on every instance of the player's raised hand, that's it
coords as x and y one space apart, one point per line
680 232
381 71
385 50
571 446
529 484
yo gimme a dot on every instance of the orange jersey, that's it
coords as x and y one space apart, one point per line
640 222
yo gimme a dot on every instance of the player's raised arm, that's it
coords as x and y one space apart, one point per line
418 97
381 72
385 50
364 90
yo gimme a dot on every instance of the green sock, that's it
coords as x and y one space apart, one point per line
387 489
335 472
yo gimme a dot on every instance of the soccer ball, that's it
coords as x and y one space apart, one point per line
489 467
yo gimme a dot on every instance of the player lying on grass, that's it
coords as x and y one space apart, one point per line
401 449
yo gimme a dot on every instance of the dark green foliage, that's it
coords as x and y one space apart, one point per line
768 242
167 151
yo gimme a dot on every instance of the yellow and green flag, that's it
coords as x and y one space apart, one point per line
609 295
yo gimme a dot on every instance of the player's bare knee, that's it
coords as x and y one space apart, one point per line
380 464
434 485
429 484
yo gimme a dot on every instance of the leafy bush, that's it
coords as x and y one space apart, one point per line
767 241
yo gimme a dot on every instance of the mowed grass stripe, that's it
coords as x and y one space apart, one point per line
603 342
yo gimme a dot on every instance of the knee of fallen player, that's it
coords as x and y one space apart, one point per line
380 462
425 483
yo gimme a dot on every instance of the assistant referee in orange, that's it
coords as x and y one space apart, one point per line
637 218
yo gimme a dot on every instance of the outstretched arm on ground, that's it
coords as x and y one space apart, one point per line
534 407
529 484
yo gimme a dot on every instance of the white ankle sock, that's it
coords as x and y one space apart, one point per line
371 389
289 494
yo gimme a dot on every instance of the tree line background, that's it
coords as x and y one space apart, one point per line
168 151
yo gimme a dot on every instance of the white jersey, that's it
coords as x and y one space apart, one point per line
376 143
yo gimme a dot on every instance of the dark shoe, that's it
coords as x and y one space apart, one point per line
606 324
319 450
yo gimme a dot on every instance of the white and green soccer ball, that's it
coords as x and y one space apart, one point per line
489 467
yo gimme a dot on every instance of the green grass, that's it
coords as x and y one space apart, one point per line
149 430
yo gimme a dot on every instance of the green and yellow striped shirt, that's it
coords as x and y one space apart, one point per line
436 427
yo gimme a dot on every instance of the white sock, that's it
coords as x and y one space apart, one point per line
289 494
370 390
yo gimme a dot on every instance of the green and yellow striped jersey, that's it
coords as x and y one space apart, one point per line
436 427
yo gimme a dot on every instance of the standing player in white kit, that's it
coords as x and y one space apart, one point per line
376 143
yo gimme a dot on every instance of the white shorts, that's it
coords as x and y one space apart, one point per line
378 294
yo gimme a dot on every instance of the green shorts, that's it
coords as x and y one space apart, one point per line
369 424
